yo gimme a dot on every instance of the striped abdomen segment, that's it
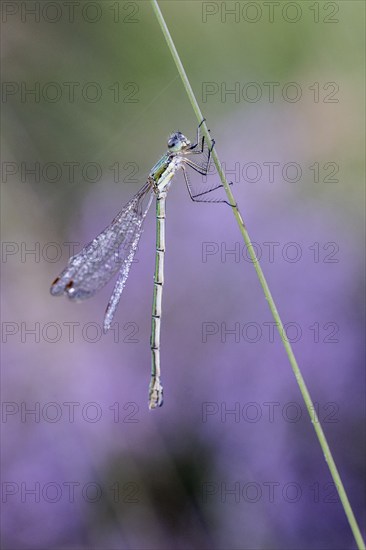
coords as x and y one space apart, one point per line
156 389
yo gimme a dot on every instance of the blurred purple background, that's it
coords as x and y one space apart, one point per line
231 460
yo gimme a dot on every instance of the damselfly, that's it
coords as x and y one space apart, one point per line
115 247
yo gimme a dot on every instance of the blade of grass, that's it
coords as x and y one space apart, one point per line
295 367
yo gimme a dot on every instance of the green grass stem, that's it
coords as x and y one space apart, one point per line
244 232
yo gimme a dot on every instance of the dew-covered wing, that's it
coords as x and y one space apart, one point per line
92 268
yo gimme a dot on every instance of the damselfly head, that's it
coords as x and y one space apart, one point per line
178 142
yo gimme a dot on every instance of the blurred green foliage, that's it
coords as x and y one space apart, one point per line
125 46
